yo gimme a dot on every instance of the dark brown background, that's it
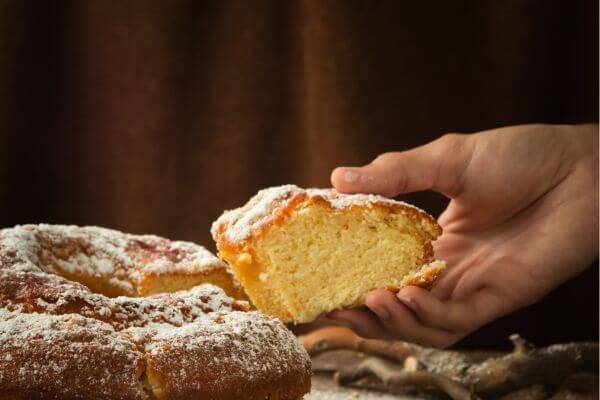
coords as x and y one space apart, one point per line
156 116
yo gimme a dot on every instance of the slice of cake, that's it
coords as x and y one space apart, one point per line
302 252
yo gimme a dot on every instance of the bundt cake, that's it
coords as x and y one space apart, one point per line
301 252
64 334
119 264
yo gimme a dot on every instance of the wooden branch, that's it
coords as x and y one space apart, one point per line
448 363
489 374
520 345
535 392
332 361
549 366
396 380
339 337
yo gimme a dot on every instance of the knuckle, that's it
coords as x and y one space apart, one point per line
450 142
454 150
453 136
392 178
400 185
385 157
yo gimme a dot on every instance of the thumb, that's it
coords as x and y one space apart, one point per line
438 165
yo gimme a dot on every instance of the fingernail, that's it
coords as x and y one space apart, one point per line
351 176
407 300
381 312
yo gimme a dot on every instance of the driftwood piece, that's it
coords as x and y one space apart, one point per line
396 380
581 382
535 392
526 372
353 369
338 337
526 367
448 363
331 361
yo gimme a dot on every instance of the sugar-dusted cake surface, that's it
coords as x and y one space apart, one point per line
301 252
117 263
60 339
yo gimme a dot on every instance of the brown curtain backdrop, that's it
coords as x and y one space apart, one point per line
154 116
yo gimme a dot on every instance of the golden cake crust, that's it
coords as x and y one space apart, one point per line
58 339
116 263
273 205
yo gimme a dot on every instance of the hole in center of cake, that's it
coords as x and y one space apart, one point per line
110 286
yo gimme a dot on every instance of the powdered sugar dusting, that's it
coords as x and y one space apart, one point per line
50 352
239 224
324 387
254 214
58 336
236 338
120 258
51 294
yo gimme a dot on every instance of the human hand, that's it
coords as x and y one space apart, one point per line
522 219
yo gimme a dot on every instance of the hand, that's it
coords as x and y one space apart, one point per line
522 219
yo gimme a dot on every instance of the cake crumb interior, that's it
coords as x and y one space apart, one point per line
319 260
